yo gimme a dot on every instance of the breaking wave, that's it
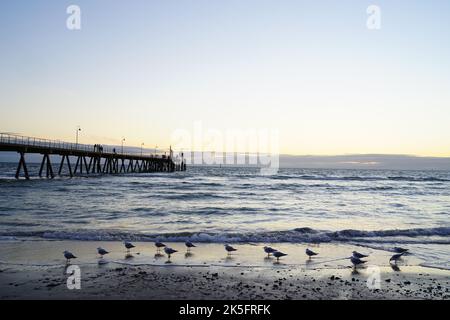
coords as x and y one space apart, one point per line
439 235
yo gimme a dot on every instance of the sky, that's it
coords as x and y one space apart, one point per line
312 70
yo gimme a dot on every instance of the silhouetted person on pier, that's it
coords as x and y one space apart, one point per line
114 150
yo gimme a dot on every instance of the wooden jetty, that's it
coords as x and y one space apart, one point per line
90 159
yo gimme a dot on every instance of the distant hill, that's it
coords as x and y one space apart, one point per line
366 161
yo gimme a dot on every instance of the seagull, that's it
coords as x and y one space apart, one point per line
169 251
269 251
400 250
278 254
396 257
358 255
356 261
68 255
128 245
101 251
189 245
159 245
229 248
311 253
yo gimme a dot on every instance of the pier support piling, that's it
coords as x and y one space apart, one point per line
22 164
65 157
48 167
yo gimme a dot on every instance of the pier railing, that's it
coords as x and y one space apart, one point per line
18 140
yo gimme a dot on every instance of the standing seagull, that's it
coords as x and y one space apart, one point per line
68 255
278 255
128 245
159 245
356 261
229 248
358 255
400 250
101 252
269 251
311 253
396 257
189 245
169 251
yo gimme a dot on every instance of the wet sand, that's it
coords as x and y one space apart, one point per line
37 270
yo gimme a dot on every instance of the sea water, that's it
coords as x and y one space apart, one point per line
373 208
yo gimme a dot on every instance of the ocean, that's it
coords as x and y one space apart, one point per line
373 208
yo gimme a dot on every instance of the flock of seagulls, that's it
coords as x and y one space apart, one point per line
356 259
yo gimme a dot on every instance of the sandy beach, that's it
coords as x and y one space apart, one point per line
37 270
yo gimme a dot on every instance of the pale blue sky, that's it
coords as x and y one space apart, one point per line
312 69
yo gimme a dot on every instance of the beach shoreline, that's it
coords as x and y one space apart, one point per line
37 270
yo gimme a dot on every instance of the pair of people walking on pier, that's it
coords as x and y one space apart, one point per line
98 148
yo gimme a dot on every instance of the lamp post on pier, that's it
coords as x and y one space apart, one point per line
142 144
123 140
78 130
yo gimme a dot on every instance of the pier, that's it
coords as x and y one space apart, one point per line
89 158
